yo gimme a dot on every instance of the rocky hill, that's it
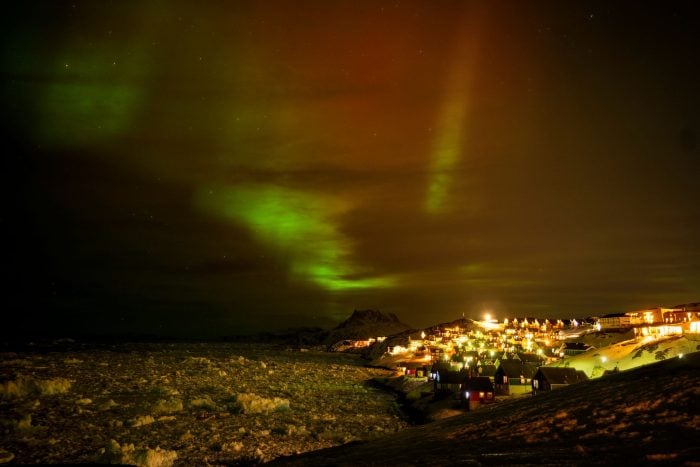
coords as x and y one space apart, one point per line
644 416
363 324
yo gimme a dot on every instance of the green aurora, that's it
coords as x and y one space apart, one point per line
299 226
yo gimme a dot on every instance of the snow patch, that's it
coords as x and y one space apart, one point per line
141 421
115 453
252 403
204 403
163 406
27 385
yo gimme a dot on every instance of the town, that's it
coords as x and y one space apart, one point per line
475 361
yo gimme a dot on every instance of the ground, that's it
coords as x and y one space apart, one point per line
649 415
185 404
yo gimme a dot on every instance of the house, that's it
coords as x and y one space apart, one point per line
574 348
514 377
488 371
415 369
678 315
550 378
476 391
527 357
620 320
657 330
447 380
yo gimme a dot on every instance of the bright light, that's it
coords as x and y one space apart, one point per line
680 355
487 317
603 359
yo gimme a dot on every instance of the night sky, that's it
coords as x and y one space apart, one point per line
217 168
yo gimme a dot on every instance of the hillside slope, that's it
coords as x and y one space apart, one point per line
630 354
649 415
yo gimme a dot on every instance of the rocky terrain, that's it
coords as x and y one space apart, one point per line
646 416
185 404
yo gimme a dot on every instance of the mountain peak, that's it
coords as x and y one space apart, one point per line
365 317
363 324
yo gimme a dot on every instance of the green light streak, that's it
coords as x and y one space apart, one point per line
299 226
449 142
446 153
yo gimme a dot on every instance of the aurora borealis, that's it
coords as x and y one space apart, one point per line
297 225
229 167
